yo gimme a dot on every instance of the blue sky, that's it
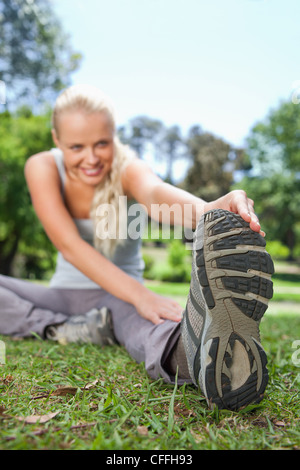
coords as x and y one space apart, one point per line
222 64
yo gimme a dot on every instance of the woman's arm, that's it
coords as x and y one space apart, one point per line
167 203
163 202
44 186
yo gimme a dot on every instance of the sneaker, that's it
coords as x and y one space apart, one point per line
94 327
230 288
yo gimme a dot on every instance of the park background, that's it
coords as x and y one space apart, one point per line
209 94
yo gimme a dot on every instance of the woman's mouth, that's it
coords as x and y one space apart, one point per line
92 171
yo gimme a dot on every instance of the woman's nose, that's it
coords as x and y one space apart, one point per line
91 156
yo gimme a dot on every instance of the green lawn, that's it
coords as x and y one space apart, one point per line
283 292
84 397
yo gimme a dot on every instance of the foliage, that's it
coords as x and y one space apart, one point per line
173 147
177 253
214 162
277 250
36 61
36 57
141 131
20 137
277 201
274 144
148 262
175 267
153 140
178 268
274 184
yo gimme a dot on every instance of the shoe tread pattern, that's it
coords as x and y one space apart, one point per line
242 272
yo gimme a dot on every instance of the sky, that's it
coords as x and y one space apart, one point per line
220 64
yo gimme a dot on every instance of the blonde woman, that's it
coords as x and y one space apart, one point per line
97 292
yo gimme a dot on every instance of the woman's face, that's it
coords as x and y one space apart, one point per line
87 142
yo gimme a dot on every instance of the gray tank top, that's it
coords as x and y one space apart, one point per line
127 256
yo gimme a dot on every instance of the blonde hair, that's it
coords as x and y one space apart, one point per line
90 100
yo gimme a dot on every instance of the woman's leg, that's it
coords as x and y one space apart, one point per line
26 307
144 341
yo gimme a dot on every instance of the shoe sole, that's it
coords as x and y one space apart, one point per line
234 271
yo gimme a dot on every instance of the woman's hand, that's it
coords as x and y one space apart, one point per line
237 201
157 308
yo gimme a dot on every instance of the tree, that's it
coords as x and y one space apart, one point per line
273 147
140 132
36 59
277 201
208 176
20 230
143 133
171 149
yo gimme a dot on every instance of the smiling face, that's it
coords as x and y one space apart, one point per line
87 142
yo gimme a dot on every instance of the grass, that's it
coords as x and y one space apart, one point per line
84 397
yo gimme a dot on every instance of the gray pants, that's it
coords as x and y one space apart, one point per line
26 307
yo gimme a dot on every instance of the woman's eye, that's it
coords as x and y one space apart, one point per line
76 147
102 143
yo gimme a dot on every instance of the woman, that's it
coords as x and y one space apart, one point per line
97 293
